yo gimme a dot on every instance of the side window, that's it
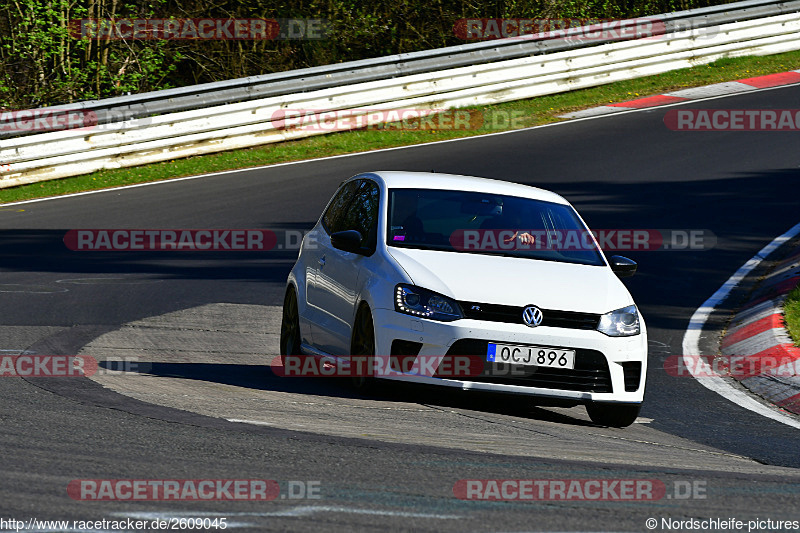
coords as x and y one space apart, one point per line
332 220
362 213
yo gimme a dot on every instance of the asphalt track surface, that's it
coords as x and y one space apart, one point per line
622 171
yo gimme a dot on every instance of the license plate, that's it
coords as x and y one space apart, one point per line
531 355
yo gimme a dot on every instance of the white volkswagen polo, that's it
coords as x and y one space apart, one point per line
467 282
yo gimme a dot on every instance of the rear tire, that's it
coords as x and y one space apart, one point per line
362 346
290 327
613 415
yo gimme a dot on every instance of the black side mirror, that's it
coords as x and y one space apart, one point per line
622 266
349 241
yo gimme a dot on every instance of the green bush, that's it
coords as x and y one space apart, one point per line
791 314
41 64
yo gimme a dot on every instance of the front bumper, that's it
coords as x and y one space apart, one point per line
607 369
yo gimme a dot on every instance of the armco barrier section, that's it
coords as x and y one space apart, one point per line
52 155
147 104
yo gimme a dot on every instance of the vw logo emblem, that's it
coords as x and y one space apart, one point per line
532 316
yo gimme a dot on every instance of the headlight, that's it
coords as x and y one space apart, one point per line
423 303
620 323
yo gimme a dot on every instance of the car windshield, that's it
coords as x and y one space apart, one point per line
472 222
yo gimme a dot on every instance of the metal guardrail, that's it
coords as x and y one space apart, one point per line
247 123
141 105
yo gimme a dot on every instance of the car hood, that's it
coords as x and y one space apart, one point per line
514 281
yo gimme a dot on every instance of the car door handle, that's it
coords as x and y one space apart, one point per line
321 261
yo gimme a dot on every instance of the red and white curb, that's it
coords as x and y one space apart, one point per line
694 332
695 93
757 333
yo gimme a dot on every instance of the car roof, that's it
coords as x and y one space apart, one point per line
435 180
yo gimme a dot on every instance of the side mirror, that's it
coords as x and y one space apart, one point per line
349 241
622 266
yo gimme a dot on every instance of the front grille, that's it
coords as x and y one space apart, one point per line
590 374
513 315
632 370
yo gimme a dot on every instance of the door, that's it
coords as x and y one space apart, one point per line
337 276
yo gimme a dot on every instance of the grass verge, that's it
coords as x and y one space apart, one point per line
791 314
532 112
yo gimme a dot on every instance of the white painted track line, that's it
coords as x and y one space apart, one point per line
691 339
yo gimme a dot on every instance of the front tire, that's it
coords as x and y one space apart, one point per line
290 326
362 346
613 415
